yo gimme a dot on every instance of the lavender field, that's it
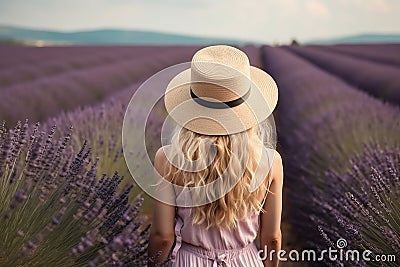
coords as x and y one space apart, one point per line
68 199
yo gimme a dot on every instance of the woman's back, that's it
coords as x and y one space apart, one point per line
197 246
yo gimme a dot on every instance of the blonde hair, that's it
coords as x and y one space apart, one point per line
237 155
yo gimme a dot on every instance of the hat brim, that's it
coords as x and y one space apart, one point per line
187 113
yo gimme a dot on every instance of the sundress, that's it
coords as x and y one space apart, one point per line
215 247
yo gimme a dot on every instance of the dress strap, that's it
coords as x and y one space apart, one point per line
265 196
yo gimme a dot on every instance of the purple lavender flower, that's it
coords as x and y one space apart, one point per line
50 93
383 53
378 79
62 214
331 134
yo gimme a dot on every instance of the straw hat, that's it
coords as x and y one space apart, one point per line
220 93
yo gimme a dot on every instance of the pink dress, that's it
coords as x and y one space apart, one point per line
215 247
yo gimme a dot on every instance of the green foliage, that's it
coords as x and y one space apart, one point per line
54 211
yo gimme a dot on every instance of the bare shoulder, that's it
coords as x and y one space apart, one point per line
277 166
160 160
277 158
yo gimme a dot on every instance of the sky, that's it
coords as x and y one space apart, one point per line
268 21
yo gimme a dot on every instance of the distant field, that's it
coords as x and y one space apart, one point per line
338 123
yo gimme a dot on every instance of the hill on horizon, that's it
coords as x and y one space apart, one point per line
21 35
370 38
106 36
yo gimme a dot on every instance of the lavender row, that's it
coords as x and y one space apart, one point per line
48 64
55 211
13 56
101 126
323 123
365 210
123 241
48 96
381 53
254 55
380 80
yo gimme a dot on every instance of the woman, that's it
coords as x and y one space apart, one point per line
221 159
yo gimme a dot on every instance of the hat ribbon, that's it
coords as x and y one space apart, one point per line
219 105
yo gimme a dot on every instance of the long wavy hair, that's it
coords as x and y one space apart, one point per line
198 159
